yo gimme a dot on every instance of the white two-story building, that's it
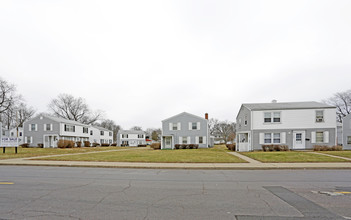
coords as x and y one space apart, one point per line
300 125
131 138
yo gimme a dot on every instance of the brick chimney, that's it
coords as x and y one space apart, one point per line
206 116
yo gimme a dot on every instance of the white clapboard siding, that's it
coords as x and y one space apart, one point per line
261 138
283 137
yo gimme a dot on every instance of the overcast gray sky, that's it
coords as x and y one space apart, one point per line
144 61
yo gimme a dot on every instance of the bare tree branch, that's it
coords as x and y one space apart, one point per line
342 102
76 109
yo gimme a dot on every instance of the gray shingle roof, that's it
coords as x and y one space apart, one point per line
130 132
100 128
63 120
286 105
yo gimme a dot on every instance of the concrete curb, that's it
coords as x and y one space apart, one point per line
232 166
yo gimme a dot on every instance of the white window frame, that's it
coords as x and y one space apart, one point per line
275 138
201 140
348 140
319 118
319 142
186 140
266 138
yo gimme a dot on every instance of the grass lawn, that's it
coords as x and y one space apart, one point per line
290 157
346 153
217 154
33 152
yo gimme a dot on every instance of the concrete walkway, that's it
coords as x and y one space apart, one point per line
252 164
248 159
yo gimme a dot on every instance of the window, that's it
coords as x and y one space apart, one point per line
47 127
267 138
348 139
276 117
124 135
20 134
70 128
201 140
267 117
12 134
194 126
110 133
276 138
175 126
101 132
85 130
319 116
33 127
91 132
319 137
270 117
245 122
298 137
168 141
101 141
140 136
184 140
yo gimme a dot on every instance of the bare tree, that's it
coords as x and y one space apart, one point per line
76 109
111 125
136 128
213 123
8 96
24 113
342 102
226 130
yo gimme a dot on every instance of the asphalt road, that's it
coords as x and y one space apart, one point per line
109 193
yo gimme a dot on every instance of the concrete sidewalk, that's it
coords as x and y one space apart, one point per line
250 165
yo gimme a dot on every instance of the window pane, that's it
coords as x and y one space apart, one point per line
319 116
348 139
276 117
200 140
267 117
194 125
276 138
267 138
319 137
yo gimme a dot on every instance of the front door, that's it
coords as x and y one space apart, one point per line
168 142
299 139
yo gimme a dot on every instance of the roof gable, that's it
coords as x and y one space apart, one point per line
185 113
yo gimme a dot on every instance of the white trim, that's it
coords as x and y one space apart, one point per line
326 137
